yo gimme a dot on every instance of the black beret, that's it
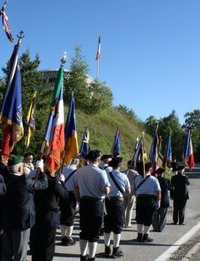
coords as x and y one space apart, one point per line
160 171
148 165
115 161
106 156
93 155
180 167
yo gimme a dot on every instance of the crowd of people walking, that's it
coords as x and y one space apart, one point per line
34 204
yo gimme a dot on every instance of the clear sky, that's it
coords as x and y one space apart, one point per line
150 52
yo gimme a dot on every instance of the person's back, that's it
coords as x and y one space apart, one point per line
18 210
179 183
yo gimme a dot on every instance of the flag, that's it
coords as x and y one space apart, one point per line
11 108
188 154
71 139
116 148
85 148
139 152
30 120
5 23
168 152
54 134
98 49
153 154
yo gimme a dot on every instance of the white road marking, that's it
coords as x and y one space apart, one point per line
167 254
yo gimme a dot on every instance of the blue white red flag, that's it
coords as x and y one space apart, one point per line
11 108
153 154
188 154
6 27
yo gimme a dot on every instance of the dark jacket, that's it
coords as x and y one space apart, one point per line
18 209
165 187
179 185
46 202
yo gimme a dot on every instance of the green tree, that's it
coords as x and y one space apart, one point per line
167 125
76 82
100 98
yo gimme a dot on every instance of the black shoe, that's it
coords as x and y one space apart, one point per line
107 252
146 238
139 237
117 252
91 259
67 241
84 258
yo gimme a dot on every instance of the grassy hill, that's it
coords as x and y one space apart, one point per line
102 129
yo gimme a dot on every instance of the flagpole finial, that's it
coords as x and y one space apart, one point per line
20 36
63 59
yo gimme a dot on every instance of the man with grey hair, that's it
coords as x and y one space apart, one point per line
18 209
68 208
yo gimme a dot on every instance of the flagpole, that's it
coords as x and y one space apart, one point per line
97 70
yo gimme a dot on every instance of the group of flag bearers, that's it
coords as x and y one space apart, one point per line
98 187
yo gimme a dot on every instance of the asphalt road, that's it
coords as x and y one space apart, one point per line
173 236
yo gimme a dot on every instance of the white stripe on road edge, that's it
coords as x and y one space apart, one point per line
167 254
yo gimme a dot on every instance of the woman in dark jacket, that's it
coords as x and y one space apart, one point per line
43 234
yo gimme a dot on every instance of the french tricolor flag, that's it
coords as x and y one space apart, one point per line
188 150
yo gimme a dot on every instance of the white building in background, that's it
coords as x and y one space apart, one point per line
51 74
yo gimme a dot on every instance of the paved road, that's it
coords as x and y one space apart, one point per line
148 251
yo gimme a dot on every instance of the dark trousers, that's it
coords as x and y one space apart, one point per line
15 244
145 207
42 244
91 217
67 210
159 219
114 218
179 210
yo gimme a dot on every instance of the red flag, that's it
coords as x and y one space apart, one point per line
98 49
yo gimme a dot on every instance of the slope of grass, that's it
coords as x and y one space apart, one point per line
102 128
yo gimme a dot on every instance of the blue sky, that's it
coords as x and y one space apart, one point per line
150 54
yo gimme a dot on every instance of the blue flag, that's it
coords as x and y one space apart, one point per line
11 108
116 149
85 148
71 138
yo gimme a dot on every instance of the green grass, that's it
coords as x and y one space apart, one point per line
102 128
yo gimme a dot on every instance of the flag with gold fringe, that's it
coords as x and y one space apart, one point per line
30 120
71 138
11 108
